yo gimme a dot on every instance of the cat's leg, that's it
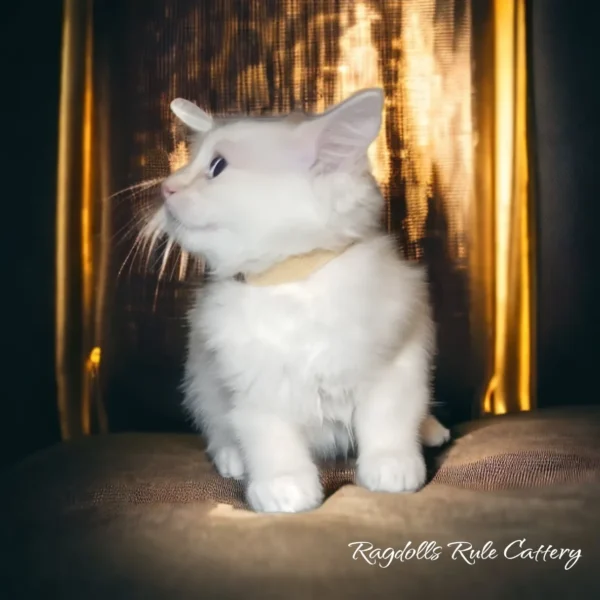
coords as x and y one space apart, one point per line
388 419
330 440
208 404
433 433
281 474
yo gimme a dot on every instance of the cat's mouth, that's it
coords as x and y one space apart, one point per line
174 223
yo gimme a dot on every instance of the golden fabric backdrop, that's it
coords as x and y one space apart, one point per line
255 57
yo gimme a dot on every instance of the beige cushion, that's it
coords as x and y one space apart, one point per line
146 516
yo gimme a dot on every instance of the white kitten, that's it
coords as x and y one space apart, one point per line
327 352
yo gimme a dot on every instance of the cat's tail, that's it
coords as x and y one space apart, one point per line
433 433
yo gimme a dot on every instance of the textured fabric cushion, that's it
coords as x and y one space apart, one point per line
146 516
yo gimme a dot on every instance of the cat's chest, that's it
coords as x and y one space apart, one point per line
300 349
291 322
329 334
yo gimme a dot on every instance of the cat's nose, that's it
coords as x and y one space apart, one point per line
167 189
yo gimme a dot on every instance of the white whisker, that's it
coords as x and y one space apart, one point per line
166 254
127 230
173 268
139 187
183 265
150 247
131 255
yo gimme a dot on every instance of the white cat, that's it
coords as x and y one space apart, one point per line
313 337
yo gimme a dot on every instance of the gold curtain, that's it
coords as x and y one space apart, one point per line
503 234
80 224
452 164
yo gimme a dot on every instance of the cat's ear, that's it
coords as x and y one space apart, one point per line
191 115
342 135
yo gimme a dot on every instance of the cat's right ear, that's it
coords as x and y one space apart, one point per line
191 115
341 136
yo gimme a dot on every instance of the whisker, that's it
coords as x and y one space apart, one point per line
148 183
176 262
141 220
131 255
126 230
166 254
143 225
155 299
183 265
151 244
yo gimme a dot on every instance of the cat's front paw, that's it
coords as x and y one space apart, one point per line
289 493
228 462
388 472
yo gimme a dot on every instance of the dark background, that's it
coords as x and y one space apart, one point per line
30 67
566 106
565 102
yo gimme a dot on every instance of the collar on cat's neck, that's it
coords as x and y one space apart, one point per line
292 269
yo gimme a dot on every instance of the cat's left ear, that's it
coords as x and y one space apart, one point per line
342 135
191 115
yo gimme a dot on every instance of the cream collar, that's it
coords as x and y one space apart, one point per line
292 269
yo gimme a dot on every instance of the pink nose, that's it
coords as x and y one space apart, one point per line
167 190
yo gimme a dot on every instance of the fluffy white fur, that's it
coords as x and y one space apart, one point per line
279 376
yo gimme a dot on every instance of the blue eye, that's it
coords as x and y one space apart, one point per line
217 166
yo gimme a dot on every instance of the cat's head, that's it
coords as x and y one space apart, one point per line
257 190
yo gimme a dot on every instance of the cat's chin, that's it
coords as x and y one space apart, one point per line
174 225
197 241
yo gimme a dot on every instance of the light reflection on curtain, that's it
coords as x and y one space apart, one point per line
258 56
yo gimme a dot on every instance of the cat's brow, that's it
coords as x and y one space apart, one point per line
259 153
